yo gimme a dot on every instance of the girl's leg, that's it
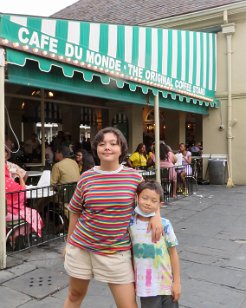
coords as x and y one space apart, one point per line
124 295
175 188
76 292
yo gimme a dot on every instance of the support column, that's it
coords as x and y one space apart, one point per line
182 123
42 128
2 166
228 29
157 138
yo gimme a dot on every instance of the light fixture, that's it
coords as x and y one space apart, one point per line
23 105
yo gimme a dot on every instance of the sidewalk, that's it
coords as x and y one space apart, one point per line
210 227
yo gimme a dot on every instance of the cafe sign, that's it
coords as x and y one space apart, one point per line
174 60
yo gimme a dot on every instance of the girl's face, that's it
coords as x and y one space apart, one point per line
109 149
78 157
149 201
142 149
182 147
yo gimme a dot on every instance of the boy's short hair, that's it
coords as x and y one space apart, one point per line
151 185
120 138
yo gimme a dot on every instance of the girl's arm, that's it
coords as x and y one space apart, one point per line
176 288
73 218
21 179
156 226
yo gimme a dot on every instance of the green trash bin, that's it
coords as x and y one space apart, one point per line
217 171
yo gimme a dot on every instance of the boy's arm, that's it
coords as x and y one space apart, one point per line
176 289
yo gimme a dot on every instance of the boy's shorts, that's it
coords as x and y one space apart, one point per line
113 268
158 302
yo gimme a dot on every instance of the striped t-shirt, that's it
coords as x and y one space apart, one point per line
105 200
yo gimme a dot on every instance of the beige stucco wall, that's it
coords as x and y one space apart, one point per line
215 140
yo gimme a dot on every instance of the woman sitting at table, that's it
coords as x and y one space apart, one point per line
138 159
16 209
167 160
186 162
84 160
14 167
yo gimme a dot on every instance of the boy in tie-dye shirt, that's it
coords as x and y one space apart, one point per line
156 265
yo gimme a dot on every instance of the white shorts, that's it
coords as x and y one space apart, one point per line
112 268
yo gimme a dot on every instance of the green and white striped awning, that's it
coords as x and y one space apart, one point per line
178 64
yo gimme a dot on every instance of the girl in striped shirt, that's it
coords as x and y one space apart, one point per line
98 244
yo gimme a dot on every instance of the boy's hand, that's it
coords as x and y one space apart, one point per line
176 291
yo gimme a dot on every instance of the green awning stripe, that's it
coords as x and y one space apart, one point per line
179 56
214 61
131 53
148 55
103 46
194 55
160 49
121 43
169 55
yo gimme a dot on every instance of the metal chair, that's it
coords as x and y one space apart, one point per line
166 183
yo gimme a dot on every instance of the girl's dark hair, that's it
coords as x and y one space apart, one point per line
140 147
164 149
87 160
152 185
120 139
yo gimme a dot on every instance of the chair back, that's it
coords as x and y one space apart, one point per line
44 180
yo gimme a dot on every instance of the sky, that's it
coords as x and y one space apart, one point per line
32 7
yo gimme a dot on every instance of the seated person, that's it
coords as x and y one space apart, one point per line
138 159
14 169
195 149
167 160
65 170
84 160
16 208
186 162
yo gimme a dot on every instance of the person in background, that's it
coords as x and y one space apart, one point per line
49 155
14 169
186 162
98 241
67 142
138 159
32 148
65 170
195 149
57 142
156 265
167 160
84 160
16 209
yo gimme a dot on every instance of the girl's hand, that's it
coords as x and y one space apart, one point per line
155 225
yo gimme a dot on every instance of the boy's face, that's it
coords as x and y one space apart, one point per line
149 201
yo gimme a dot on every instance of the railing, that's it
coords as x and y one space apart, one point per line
25 209
177 181
39 208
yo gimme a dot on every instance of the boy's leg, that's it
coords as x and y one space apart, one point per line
124 295
151 301
76 292
167 302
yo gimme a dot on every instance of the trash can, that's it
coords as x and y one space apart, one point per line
217 171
